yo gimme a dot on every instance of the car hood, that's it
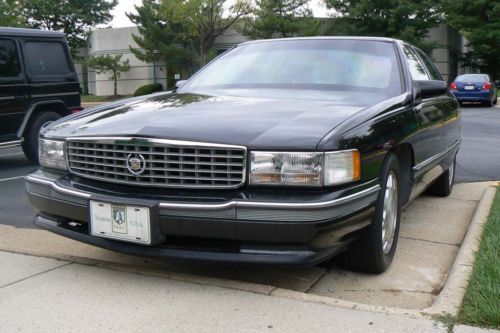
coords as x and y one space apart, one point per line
265 123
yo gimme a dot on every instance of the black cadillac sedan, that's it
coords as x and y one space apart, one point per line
285 151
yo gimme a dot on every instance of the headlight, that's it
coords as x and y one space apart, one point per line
51 154
304 168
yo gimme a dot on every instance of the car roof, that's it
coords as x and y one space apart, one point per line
367 38
30 32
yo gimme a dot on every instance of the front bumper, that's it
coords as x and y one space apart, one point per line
237 227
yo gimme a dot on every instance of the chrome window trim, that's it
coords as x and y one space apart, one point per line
155 141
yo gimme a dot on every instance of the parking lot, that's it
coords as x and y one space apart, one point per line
431 232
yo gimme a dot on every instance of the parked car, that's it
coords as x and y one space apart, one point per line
38 84
474 88
285 151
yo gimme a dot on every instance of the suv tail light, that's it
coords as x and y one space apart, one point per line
75 110
487 86
453 86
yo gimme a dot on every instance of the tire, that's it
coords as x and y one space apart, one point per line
489 103
495 100
443 186
371 252
30 143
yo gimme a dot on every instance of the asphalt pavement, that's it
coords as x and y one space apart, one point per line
479 155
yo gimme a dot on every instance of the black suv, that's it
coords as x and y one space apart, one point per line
38 84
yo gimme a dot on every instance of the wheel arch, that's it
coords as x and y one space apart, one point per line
406 158
57 106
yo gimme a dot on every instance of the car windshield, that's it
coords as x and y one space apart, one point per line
344 66
472 78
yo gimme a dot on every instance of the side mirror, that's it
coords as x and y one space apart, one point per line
432 88
180 83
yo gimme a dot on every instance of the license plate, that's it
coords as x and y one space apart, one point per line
469 87
121 222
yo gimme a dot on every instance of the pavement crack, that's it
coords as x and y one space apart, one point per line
316 281
34 275
429 241
388 290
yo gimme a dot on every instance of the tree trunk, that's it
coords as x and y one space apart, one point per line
115 78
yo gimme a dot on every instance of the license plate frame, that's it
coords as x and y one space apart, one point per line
469 87
128 223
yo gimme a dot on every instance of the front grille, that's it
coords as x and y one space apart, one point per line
164 163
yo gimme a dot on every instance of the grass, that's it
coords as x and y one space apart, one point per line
95 99
481 305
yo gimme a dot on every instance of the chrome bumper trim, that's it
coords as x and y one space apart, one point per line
57 187
226 205
11 144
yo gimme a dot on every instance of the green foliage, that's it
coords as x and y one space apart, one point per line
282 18
481 304
108 63
408 20
10 14
148 89
73 17
182 33
479 22
160 37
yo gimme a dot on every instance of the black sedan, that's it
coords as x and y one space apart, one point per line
285 151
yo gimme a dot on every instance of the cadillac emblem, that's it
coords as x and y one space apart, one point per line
136 164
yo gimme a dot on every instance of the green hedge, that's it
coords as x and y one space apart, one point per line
148 89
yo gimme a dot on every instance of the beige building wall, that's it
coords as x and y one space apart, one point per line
451 47
118 41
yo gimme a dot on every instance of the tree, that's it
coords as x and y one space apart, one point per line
73 17
160 38
183 32
282 18
108 63
479 22
206 20
10 14
408 20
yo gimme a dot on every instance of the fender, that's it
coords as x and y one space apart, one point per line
32 108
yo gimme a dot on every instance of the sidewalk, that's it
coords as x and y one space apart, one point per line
41 294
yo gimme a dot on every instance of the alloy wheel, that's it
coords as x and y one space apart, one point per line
390 212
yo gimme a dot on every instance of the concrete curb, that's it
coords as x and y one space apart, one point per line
450 298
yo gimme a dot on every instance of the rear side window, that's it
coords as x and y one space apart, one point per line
9 61
417 69
47 59
430 66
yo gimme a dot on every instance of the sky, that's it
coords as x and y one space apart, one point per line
124 6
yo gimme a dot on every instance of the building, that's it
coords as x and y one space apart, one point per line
452 46
119 41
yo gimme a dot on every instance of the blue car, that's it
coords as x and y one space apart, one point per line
474 88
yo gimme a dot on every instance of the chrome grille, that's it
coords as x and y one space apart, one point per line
168 163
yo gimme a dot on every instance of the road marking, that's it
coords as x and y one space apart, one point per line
11 154
11 178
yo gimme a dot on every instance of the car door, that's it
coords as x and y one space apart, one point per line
429 141
13 89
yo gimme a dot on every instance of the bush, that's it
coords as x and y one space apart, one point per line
148 89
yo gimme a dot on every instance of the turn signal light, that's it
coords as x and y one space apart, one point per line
453 86
487 86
